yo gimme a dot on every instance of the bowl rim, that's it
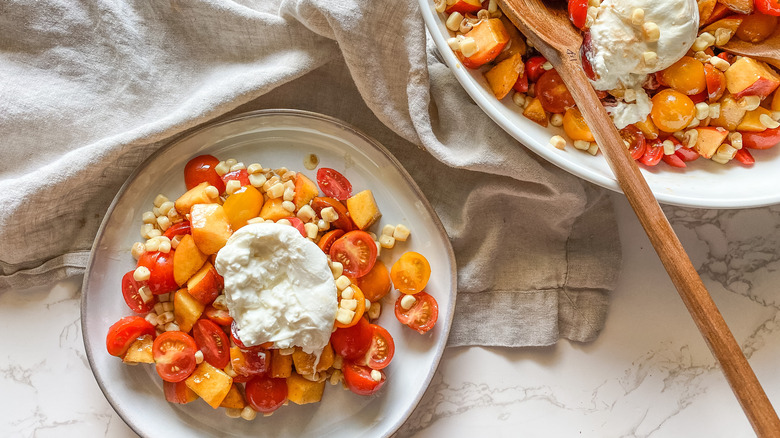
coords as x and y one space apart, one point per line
444 324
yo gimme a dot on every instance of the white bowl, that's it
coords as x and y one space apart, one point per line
703 183
274 138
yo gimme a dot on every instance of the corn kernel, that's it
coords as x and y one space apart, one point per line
558 142
257 179
222 168
375 310
735 138
237 166
719 63
311 230
283 222
690 138
408 301
323 225
151 318
401 233
329 214
233 412
344 316
164 246
289 206
386 241
137 250
231 162
348 293
556 120
703 41
276 191
248 413
723 35
343 282
388 230
254 168
582 145
651 31
232 186
145 293
337 269
519 99
376 375
750 103
638 17
768 121
159 200
468 47
306 213
668 147
148 217
650 58
288 176
198 357
348 304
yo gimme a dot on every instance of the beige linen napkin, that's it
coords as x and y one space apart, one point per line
90 89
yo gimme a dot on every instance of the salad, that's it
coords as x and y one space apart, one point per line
657 66
253 289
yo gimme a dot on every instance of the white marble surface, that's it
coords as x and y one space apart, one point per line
649 374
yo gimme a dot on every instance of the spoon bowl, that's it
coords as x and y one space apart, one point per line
767 50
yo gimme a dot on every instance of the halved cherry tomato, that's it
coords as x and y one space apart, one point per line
745 157
219 316
201 169
768 7
421 316
132 297
241 175
653 153
586 51
674 160
174 355
533 67
356 251
761 140
178 392
298 224
160 267
234 337
334 184
344 222
359 310
352 342
552 93
687 154
376 284
381 351
716 82
521 85
124 332
358 379
266 394
213 342
249 362
326 241
178 229
410 273
578 12
636 141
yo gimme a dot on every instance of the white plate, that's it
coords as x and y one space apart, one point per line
703 184
274 138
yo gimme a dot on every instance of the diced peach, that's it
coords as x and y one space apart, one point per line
140 351
752 121
491 37
241 364
281 365
206 284
709 140
731 113
535 112
186 310
516 42
243 205
749 77
304 362
301 391
210 383
187 259
731 23
326 358
503 75
305 191
775 106
234 399
719 11
273 210
363 209
195 195
210 227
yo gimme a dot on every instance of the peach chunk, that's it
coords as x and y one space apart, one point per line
187 260
186 310
210 227
210 383
206 284
709 140
749 77
195 195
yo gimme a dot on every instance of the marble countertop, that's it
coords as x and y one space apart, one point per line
649 374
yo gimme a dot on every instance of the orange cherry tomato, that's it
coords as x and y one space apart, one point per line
672 111
174 355
376 284
343 222
552 93
327 239
410 273
575 127
201 169
359 310
266 394
421 316
636 141
686 76
356 251
124 332
244 204
358 379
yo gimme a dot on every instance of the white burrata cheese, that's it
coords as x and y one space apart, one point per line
279 287
618 47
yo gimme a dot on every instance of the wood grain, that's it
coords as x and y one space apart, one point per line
552 34
767 51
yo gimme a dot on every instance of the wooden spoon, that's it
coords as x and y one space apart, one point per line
552 34
767 50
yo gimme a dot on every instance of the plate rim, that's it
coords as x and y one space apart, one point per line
450 254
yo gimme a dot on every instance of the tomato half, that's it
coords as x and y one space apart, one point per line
534 67
266 394
201 169
241 175
178 229
768 7
421 316
160 267
745 157
761 140
674 160
521 85
297 224
376 284
359 310
213 342
635 139
124 332
356 251
352 342
249 362
653 153
219 316
687 154
381 351
410 273
174 355
586 51
344 222
552 93
358 379
578 12
334 184
132 297
326 241
178 392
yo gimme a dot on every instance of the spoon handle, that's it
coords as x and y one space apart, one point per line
702 308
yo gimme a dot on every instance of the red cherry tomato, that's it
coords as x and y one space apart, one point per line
421 316
201 169
219 316
326 241
132 297
521 85
174 355
653 153
552 93
234 335
343 222
178 229
160 267
745 157
674 160
761 140
242 176
768 7
358 379
124 332
381 351
249 362
578 12
352 342
334 184
213 342
178 392
687 154
636 141
586 50
298 224
356 251
533 67
266 394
